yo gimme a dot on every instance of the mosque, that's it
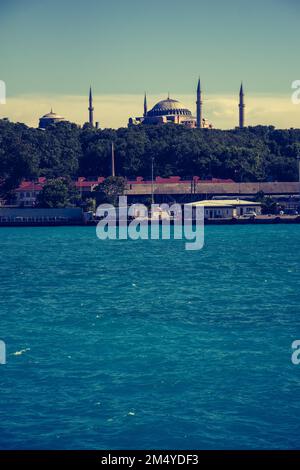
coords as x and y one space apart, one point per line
164 112
50 118
172 111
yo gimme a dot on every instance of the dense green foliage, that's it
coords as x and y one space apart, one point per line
251 154
111 188
57 193
268 204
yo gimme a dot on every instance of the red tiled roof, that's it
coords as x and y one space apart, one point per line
85 184
82 182
216 180
29 186
177 180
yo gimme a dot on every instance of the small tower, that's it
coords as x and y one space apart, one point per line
91 109
145 105
113 172
241 109
199 106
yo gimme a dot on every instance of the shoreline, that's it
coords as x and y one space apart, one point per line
260 220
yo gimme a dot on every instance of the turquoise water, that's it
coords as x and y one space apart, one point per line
141 344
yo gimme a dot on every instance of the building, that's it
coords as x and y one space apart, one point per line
28 191
59 216
172 111
227 208
86 186
52 118
164 112
49 119
173 188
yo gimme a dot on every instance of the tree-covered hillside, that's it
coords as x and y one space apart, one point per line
251 154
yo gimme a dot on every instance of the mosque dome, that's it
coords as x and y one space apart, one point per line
169 106
50 118
52 115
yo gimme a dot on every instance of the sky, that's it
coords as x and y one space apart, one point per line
52 51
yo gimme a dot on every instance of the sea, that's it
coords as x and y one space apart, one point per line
141 344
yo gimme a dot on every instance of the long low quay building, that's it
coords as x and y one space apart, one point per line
167 189
180 188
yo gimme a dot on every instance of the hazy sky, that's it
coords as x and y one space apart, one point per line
51 51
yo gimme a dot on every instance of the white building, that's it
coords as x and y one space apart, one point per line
228 208
28 191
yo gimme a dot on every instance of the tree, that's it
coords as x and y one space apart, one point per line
57 193
89 204
111 188
18 159
259 153
268 205
60 150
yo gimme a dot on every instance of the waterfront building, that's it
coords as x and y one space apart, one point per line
28 191
181 190
19 216
227 208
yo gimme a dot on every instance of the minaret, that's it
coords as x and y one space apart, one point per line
241 108
113 172
199 106
91 109
145 106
